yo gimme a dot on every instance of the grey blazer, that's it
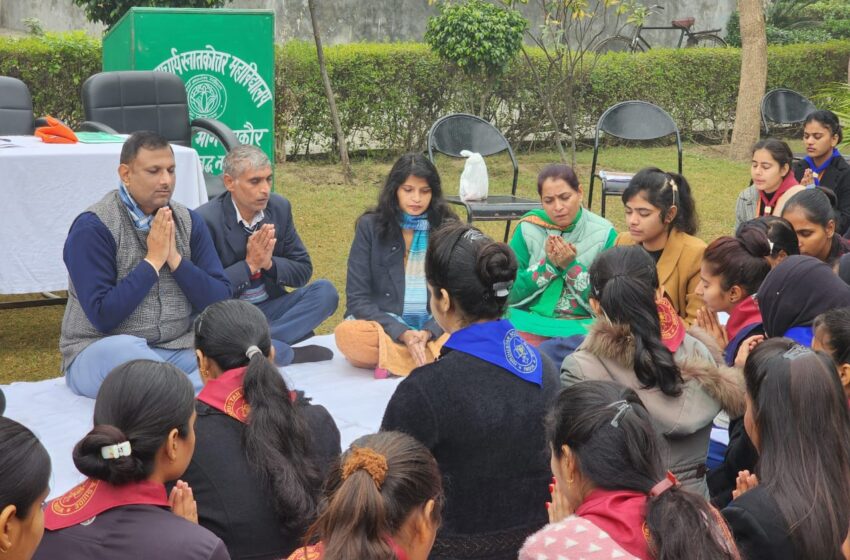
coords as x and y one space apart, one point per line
374 286
292 265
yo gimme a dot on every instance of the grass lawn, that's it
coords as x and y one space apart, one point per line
325 210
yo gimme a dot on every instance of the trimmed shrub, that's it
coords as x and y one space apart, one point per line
390 94
54 67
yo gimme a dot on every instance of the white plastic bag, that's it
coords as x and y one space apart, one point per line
474 183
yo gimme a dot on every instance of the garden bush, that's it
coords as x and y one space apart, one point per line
389 94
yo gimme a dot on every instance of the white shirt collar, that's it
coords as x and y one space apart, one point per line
258 217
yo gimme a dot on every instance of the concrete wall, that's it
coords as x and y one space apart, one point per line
346 21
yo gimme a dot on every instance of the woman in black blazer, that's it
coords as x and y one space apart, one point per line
261 450
388 324
823 165
798 506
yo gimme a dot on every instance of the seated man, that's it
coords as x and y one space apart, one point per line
255 237
140 266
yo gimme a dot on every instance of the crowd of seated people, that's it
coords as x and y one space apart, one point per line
561 393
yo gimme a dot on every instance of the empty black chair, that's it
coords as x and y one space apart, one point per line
16 118
634 121
129 101
454 133
784 106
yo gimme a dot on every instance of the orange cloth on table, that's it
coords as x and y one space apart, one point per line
56 132
366 345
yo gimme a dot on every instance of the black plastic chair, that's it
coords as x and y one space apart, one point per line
16 117
634 121
454 133
784 106
129 101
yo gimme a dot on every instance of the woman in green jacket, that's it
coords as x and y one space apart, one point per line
555 247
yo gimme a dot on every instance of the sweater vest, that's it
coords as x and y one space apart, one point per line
164 316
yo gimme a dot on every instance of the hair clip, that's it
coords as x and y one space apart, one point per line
770 244
623 406
665 484
253 351
502 289
115 451
797 351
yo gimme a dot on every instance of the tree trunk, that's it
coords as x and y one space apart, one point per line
753 78
340 135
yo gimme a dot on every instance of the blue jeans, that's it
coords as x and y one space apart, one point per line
293 316
93 364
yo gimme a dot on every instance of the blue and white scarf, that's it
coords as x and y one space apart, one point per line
141 220
817 170
415 312
498 343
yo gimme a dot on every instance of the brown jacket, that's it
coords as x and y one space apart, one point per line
684 421
678 271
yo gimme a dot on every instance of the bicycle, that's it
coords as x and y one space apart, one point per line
636 43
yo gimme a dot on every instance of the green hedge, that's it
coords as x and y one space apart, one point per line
54 67
389 94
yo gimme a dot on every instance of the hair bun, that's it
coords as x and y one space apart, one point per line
496 268
89 459
369 460
755 241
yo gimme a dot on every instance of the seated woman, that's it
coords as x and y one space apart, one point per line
682 389
795 292
610 497
392 329
773 182
384 500
24 485
780 233
799 506
832 335
731 273
480 407
661 217
812 214
824 166
143 437
554 247
260 450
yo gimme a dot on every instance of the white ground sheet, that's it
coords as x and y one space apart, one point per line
59 418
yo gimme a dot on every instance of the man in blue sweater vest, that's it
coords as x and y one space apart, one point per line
255 237
140 267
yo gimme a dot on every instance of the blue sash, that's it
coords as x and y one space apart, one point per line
498 343
732 348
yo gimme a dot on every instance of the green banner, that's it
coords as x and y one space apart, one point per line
225 58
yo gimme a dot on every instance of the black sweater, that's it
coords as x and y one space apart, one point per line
232 501
485 428
837 178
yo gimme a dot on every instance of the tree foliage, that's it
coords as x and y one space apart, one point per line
109 12
478 37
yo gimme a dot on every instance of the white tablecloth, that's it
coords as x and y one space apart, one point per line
43 187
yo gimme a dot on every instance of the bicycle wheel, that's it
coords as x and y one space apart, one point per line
617 43
705 41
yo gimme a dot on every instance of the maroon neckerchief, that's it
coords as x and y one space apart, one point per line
746 312
769 204
621 514
225 393
93 497
672 326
